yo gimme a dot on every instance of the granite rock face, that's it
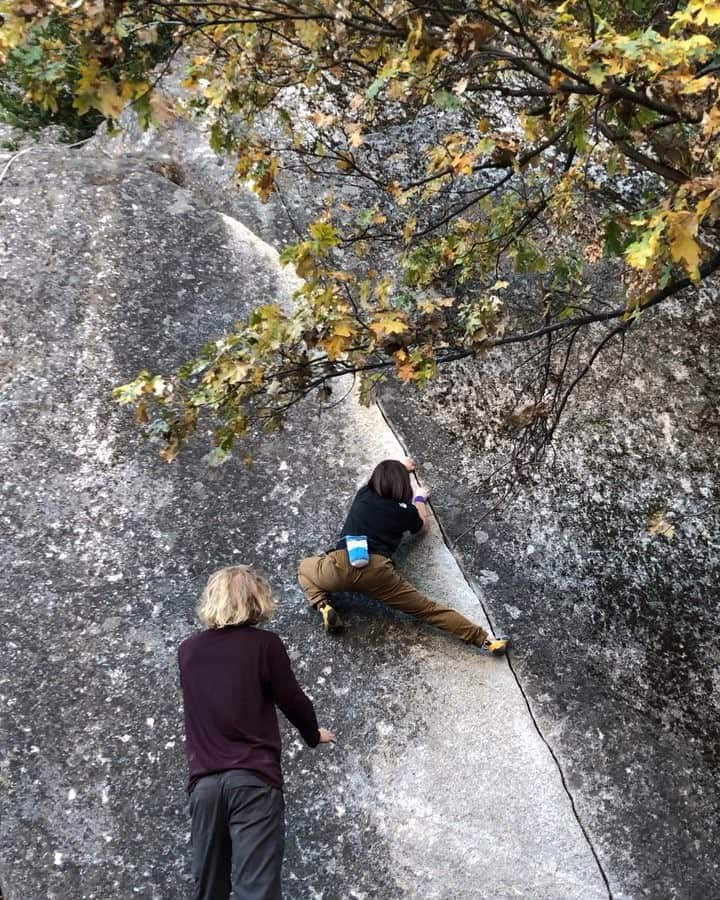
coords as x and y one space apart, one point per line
617 629
441 785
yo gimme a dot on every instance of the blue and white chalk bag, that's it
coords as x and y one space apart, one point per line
357 550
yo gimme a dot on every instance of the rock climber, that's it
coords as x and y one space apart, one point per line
362 560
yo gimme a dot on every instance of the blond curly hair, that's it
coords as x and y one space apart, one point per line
236 595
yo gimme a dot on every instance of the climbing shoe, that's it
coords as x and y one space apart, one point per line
331 620
496 646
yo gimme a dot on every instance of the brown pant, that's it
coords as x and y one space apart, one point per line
320 575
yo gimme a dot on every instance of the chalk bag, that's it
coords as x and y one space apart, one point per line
357 549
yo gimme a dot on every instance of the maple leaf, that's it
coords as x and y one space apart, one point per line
524 414
354 133
84 102
345 328
235 372
169 453
325 236
409 229
683 227
405 371
658 525
322 120
309 32
345 161
109 99
643 252
335 345
89 72
697 85
557 79
385 324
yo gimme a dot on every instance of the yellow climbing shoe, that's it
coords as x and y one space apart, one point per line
331 620
496 646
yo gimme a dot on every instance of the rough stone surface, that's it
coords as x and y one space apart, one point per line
441 785
617 637
182 154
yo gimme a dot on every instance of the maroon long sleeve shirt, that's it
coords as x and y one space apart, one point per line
232 679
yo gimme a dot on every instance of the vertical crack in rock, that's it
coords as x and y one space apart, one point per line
559 767
535 722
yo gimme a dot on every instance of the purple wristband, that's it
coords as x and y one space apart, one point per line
419 499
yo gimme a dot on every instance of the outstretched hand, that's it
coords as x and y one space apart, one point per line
423 490
409 463
326 737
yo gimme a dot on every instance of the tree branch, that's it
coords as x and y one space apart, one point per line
647 162
658 297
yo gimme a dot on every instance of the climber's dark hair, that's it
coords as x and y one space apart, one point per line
392 480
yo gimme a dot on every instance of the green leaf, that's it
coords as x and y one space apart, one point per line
325 236
143 110
446 100
375 88
613 242
217 456
217 137
404 301
529 258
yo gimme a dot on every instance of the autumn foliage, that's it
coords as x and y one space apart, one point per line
488 139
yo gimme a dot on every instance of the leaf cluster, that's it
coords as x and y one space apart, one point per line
484 140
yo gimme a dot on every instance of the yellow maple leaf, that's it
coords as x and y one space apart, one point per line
334 345
463 163
388 323
705 11
642 253
130 89
238 372
109 101
710 206
697 85
309 32
683 227
84 102
215 93
345 161
614 66
409 229
345 328
354 133
434 57
711 120
88 81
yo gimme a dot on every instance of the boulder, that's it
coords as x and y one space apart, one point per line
441 784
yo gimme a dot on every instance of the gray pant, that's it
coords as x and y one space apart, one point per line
237 837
